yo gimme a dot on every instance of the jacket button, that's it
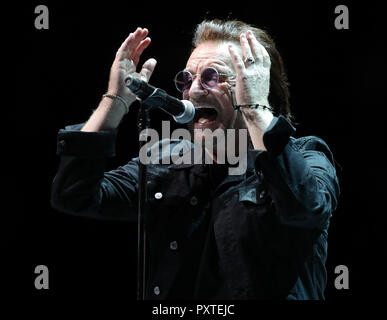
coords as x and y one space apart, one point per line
173 245
194 201
156 290
262 194
158 195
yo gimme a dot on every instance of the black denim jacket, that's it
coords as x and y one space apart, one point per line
259 235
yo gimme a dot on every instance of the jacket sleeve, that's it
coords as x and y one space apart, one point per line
82 187
300 176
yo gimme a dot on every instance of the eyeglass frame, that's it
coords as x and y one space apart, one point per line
197 74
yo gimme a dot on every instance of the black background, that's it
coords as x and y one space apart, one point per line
336 80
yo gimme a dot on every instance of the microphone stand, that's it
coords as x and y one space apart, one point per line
153 98
143 122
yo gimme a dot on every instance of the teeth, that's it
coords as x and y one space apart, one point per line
206 108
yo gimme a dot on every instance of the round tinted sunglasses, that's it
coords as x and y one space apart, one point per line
209 78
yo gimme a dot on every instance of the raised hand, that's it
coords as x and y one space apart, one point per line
126 61
253 85
253 71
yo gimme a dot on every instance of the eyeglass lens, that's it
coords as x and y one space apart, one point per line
209 79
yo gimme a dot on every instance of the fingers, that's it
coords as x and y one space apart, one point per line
134 42
258 50
237 61
266 57
133 45
252 48
147 69
140 49
246 50
121 53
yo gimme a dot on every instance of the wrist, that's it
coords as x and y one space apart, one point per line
117 100
258 118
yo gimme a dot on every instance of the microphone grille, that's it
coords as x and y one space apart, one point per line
188 114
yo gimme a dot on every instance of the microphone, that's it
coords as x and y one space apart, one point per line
182 111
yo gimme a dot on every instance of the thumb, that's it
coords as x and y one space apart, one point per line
147 69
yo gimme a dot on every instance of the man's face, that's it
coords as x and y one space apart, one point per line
214 108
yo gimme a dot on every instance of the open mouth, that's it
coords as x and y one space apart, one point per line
205 115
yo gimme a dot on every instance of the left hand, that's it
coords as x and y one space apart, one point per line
253 85
252 77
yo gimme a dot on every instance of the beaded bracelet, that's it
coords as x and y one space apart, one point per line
112 96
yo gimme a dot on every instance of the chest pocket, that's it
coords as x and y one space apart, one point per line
165 208
162 196
173 211
248 194
252 195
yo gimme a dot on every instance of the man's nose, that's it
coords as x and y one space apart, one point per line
197 89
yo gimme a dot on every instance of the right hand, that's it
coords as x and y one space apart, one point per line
126 61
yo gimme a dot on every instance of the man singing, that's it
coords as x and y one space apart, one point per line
261 234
